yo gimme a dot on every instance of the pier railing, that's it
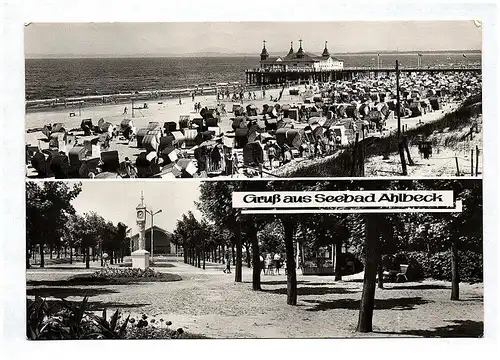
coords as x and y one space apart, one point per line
369 68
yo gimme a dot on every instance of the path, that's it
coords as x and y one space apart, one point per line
209 302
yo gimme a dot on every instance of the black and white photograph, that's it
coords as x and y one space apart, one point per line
262 179
235 100
224 259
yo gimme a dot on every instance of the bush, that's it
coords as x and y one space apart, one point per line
438 265
114 273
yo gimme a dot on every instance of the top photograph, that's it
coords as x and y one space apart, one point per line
240 100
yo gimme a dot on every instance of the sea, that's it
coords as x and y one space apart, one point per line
62 78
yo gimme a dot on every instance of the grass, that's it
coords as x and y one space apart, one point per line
341 165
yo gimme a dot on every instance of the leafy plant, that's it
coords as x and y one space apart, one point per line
71 322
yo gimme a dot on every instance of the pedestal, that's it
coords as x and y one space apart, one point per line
140 259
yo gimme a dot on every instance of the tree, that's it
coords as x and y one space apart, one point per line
216 204
47 209
371 261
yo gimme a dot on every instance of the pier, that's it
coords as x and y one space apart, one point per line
259 76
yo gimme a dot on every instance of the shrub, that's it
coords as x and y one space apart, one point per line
74 321
114 273
438 265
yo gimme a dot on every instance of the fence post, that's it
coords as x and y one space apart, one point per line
354 153
402 157
471 162
362 160
405 144
458 169
477 160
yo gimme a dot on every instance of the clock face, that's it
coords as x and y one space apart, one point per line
140 215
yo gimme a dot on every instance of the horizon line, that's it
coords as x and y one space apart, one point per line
236 54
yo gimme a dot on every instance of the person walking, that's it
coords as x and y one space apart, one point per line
269 264
227 270
277 262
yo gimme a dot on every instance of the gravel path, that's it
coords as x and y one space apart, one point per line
209 302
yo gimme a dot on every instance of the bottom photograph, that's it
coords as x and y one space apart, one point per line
254 259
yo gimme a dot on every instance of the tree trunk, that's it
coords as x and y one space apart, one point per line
223 253
380 275
233 254
58 252
198 256
65 252
247 249
42 257
50 251
100 254
239 254
338 257
455 278
291 276
93 254
87 257
28 257
255 258
204 257
70 255
185 254
111 258
371 257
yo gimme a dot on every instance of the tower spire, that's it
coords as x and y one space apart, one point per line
264 54
300 52
291 48
325 51
142 197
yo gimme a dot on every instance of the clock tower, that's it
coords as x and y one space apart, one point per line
140 257
140 211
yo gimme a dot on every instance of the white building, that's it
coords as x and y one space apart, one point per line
300 61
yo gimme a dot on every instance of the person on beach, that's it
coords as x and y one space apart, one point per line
125 111
271 154
287 154
192 96
254 96
180 100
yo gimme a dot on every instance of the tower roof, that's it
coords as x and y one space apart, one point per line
291 48
300 52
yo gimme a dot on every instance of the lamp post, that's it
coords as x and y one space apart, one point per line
150 212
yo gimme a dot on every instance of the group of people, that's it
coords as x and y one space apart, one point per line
197 106
271 263
268 265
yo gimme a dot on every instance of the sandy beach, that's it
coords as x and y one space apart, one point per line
169 109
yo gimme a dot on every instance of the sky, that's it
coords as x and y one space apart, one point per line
163 39
116 201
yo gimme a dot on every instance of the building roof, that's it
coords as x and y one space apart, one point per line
155 228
